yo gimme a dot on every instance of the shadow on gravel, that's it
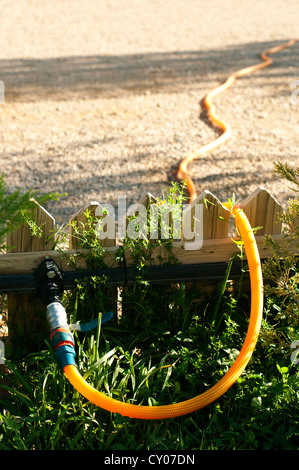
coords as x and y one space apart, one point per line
85 77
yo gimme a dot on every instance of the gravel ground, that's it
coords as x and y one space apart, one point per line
102 97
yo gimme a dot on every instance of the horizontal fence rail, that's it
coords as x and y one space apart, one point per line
217 245
20 283
202 258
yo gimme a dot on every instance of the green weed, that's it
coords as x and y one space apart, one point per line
170 343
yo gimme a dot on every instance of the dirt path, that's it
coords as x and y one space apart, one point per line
102 98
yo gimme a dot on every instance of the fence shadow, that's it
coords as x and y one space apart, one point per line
84 77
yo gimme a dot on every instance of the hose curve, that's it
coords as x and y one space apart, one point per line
256 282
204 399
209 110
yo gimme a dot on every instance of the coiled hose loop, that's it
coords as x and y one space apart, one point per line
204 399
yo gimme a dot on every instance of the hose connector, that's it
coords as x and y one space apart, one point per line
62 341
49 287
56 316
61 338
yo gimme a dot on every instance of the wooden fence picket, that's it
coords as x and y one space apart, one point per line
80 219
25 311
262 210
215 217
105 232
134 210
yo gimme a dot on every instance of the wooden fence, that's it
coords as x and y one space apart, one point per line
28 251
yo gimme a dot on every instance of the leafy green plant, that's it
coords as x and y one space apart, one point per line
164 365
281 272
17 207
166 346
164 223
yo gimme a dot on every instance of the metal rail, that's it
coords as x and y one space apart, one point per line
25 283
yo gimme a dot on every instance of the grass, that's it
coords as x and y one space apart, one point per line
149 358
171 343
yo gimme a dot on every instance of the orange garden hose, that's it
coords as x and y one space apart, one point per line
188 406
208 108
256 282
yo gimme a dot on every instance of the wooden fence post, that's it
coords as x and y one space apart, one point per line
80 221
215 217
262 210
26 314
124 294
134 210
215 220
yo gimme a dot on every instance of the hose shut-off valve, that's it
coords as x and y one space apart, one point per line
49 282
49 287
